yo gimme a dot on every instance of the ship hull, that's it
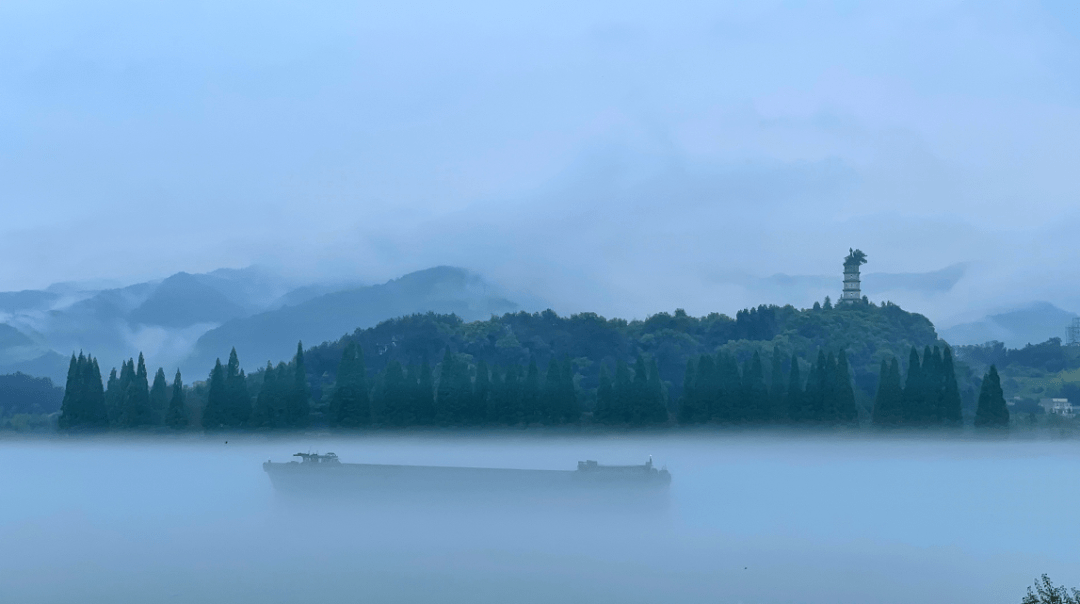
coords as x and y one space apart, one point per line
433 484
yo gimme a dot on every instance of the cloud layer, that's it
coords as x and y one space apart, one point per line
624 158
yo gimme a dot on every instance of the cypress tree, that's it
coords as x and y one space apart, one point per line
913 395
424 395
530 393
113 397
795 403
814 406
658 411
569 410
936 390
350 404
71 413
728 389
620 410
882 413
707 390
96 413
830 409
550 393
137 412
639 398
951 405
992 411
481 394
847 411
511 412
176 417
395 395
214 413
266 412
159 398
778 406
605 398
444 393
688 412
493 412
238 399
297 405
755 396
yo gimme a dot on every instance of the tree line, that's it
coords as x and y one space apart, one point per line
456 392
929 395
716 391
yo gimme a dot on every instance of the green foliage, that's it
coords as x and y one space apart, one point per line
177 417
1045 592
350 404
159 398
83 406
992 411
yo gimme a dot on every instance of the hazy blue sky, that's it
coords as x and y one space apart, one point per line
623 156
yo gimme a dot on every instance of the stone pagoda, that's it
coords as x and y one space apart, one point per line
852 291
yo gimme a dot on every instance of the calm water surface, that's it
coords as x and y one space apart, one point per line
751 518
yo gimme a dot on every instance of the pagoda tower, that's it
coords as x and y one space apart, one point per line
852 291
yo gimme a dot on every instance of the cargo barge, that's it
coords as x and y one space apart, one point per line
316 474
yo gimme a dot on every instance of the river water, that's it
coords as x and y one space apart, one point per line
751 518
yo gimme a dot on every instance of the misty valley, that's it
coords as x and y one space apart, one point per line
532 302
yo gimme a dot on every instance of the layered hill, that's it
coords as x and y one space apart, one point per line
273 335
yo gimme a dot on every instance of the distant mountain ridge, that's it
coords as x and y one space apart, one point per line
185 319
1030 324
273 335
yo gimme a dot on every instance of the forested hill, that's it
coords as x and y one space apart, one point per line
868 333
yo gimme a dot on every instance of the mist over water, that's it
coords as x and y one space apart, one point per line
750 518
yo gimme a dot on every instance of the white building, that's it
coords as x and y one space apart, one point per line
1057 406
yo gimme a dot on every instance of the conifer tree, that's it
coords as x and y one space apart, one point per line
481 394
159 398
728 389
238 399
570 411
620 410
777 403
297 405
951 404
707 390
830 409
424 395
936 388
96 414
265 413
846 409
688 412
795 396
885 412
550 393
395 396
755 395
350 404
530 393
814 406
71 408
511 413
992 411
113 397
496 394
914 395
657 412
136 411
605 397
176 417
639 397
214 414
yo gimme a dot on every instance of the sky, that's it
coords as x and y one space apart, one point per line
623 157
